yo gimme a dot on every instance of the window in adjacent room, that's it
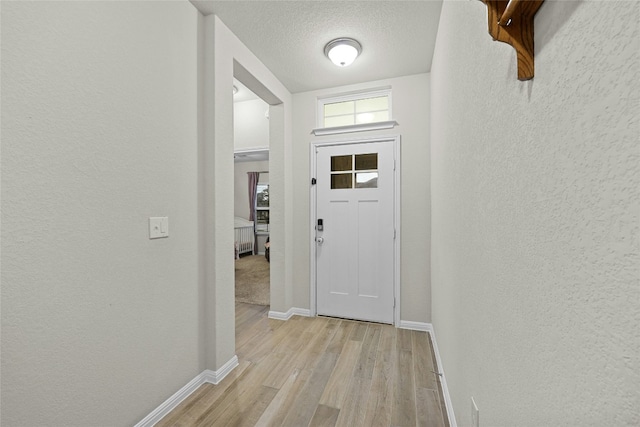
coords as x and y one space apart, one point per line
262 207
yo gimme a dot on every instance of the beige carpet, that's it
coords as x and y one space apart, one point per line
252 280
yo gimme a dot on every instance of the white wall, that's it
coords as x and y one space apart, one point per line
411 111
241 182
250 126
536 189
99 132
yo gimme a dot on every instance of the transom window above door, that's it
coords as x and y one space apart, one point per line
354 171
355 109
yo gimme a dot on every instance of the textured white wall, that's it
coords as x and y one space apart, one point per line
250 126
411 110
99 132
535 201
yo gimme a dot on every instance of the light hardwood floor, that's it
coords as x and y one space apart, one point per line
320 372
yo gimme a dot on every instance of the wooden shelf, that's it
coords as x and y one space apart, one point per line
511 21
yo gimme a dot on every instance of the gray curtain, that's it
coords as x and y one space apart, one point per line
253 190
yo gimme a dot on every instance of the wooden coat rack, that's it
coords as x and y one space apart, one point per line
511 21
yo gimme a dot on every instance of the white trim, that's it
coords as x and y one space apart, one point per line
257 154
443 380
304 312
428 327
293 311
171 403
361 127
415 326
312 228
398 226
216 376
397 211
255 150
207 376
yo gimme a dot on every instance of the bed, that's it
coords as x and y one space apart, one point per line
243 232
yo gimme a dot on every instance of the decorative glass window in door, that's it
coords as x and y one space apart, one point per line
354 171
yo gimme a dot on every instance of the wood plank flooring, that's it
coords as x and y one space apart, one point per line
320 372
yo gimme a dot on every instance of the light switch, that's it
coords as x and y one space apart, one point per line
158 227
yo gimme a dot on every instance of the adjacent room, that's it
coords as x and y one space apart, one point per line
251 196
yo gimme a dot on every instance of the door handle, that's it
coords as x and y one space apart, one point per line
319 240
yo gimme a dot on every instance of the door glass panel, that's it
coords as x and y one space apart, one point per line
367 180
366 161
340 180
341 163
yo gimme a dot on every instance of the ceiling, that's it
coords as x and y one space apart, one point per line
244 93
397 37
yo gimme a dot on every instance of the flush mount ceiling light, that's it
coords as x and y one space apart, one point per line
235 89
343 51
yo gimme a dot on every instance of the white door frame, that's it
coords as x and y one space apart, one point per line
396 217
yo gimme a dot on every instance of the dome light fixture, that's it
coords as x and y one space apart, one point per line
343 51
235 89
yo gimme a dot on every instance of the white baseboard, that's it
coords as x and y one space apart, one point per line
443 380
207 376
415 326
170 404
428 327
278 315
214 377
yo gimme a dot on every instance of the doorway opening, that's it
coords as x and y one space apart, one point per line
251 196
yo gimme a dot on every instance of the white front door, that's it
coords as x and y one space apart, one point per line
355 230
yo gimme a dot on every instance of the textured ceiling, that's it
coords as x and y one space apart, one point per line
397 37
